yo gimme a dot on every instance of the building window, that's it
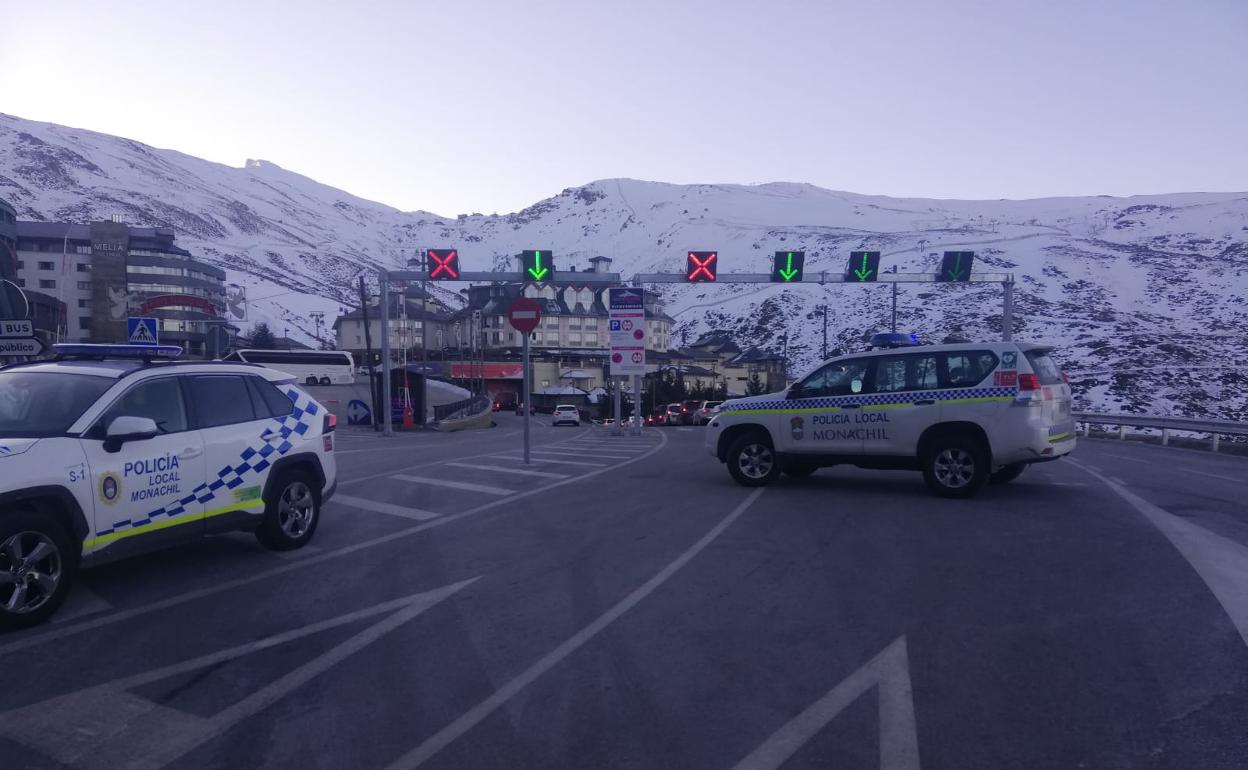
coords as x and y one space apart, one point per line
47 283
357 339
82 249
84 286
84 322
21 265
47 266
84 304
83 267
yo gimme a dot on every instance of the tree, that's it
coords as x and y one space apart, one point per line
754 386
262 337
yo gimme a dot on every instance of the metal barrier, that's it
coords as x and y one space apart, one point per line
1215 428
464 408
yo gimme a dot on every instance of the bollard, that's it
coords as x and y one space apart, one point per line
1165 437
1122 433
1213 447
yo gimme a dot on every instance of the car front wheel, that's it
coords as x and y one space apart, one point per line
752 460
38 563
955 466
291 515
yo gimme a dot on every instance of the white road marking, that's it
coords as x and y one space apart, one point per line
594 454
899 739
1117 480
416 514
1221 562
105 726
464 485
439 740
183 597
547 460
1088 466
516 471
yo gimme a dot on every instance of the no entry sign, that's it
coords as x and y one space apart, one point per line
524 314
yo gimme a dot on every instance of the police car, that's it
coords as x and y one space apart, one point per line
964 414
108 450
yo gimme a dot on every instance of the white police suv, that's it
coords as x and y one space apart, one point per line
964 414
107 450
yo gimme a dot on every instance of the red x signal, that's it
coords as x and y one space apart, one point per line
445 265
700 266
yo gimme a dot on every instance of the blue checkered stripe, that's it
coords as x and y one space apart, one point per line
254 460
873 399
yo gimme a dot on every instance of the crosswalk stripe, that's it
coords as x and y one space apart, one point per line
548 460
464 485
517 471
595 455
363 504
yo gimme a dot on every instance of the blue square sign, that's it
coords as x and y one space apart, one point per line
615 326
141 331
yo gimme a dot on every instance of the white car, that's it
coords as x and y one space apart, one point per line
963 414
109 450
566 414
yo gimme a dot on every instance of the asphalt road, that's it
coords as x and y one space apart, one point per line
622 603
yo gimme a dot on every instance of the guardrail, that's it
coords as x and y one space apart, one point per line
1215 428
463 408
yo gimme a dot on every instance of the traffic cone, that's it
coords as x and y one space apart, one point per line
409 417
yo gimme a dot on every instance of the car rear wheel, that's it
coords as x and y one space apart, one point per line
309 381
1008 473
38 563
752 460
291 515
324 381
955 466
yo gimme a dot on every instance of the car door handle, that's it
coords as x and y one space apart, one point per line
925 402
269 435
189 453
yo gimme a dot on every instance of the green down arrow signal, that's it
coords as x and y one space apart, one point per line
537 271
863 272
788 271
956 272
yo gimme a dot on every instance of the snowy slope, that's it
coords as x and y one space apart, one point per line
1146 296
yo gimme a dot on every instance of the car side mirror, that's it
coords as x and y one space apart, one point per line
124 429
797 391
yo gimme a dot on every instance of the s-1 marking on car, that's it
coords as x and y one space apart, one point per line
963 414
111 450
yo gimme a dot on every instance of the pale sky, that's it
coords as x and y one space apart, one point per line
467 106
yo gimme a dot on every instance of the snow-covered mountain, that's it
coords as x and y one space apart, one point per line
1146 296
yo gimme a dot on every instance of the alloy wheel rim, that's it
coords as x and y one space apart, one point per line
756 461
30 571
954 467
295 509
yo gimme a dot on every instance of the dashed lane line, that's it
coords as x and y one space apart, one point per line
36 639
461 485
364 504
514 471
572 453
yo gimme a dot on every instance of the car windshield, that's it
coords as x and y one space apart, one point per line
43 404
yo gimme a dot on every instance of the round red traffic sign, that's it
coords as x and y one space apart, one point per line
524 314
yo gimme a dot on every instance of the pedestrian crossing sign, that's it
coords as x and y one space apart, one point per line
141 331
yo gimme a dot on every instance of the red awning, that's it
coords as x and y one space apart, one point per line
489 371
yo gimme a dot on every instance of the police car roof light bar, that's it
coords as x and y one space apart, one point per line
137 352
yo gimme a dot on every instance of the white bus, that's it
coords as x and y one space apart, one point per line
311 367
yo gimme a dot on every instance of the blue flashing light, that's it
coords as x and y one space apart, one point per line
894 340
146 352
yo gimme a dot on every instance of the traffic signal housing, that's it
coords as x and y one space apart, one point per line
787 267
863 266
443 264
956 267
537 265
701 266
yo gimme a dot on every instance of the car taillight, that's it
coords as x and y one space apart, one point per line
331 422
1028 382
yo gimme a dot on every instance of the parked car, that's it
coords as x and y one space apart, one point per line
504 400
689 411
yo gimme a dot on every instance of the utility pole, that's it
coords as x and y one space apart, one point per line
368 352
824 313
894 324
318 316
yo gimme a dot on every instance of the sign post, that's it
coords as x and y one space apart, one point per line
626 320
524 315
17 331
